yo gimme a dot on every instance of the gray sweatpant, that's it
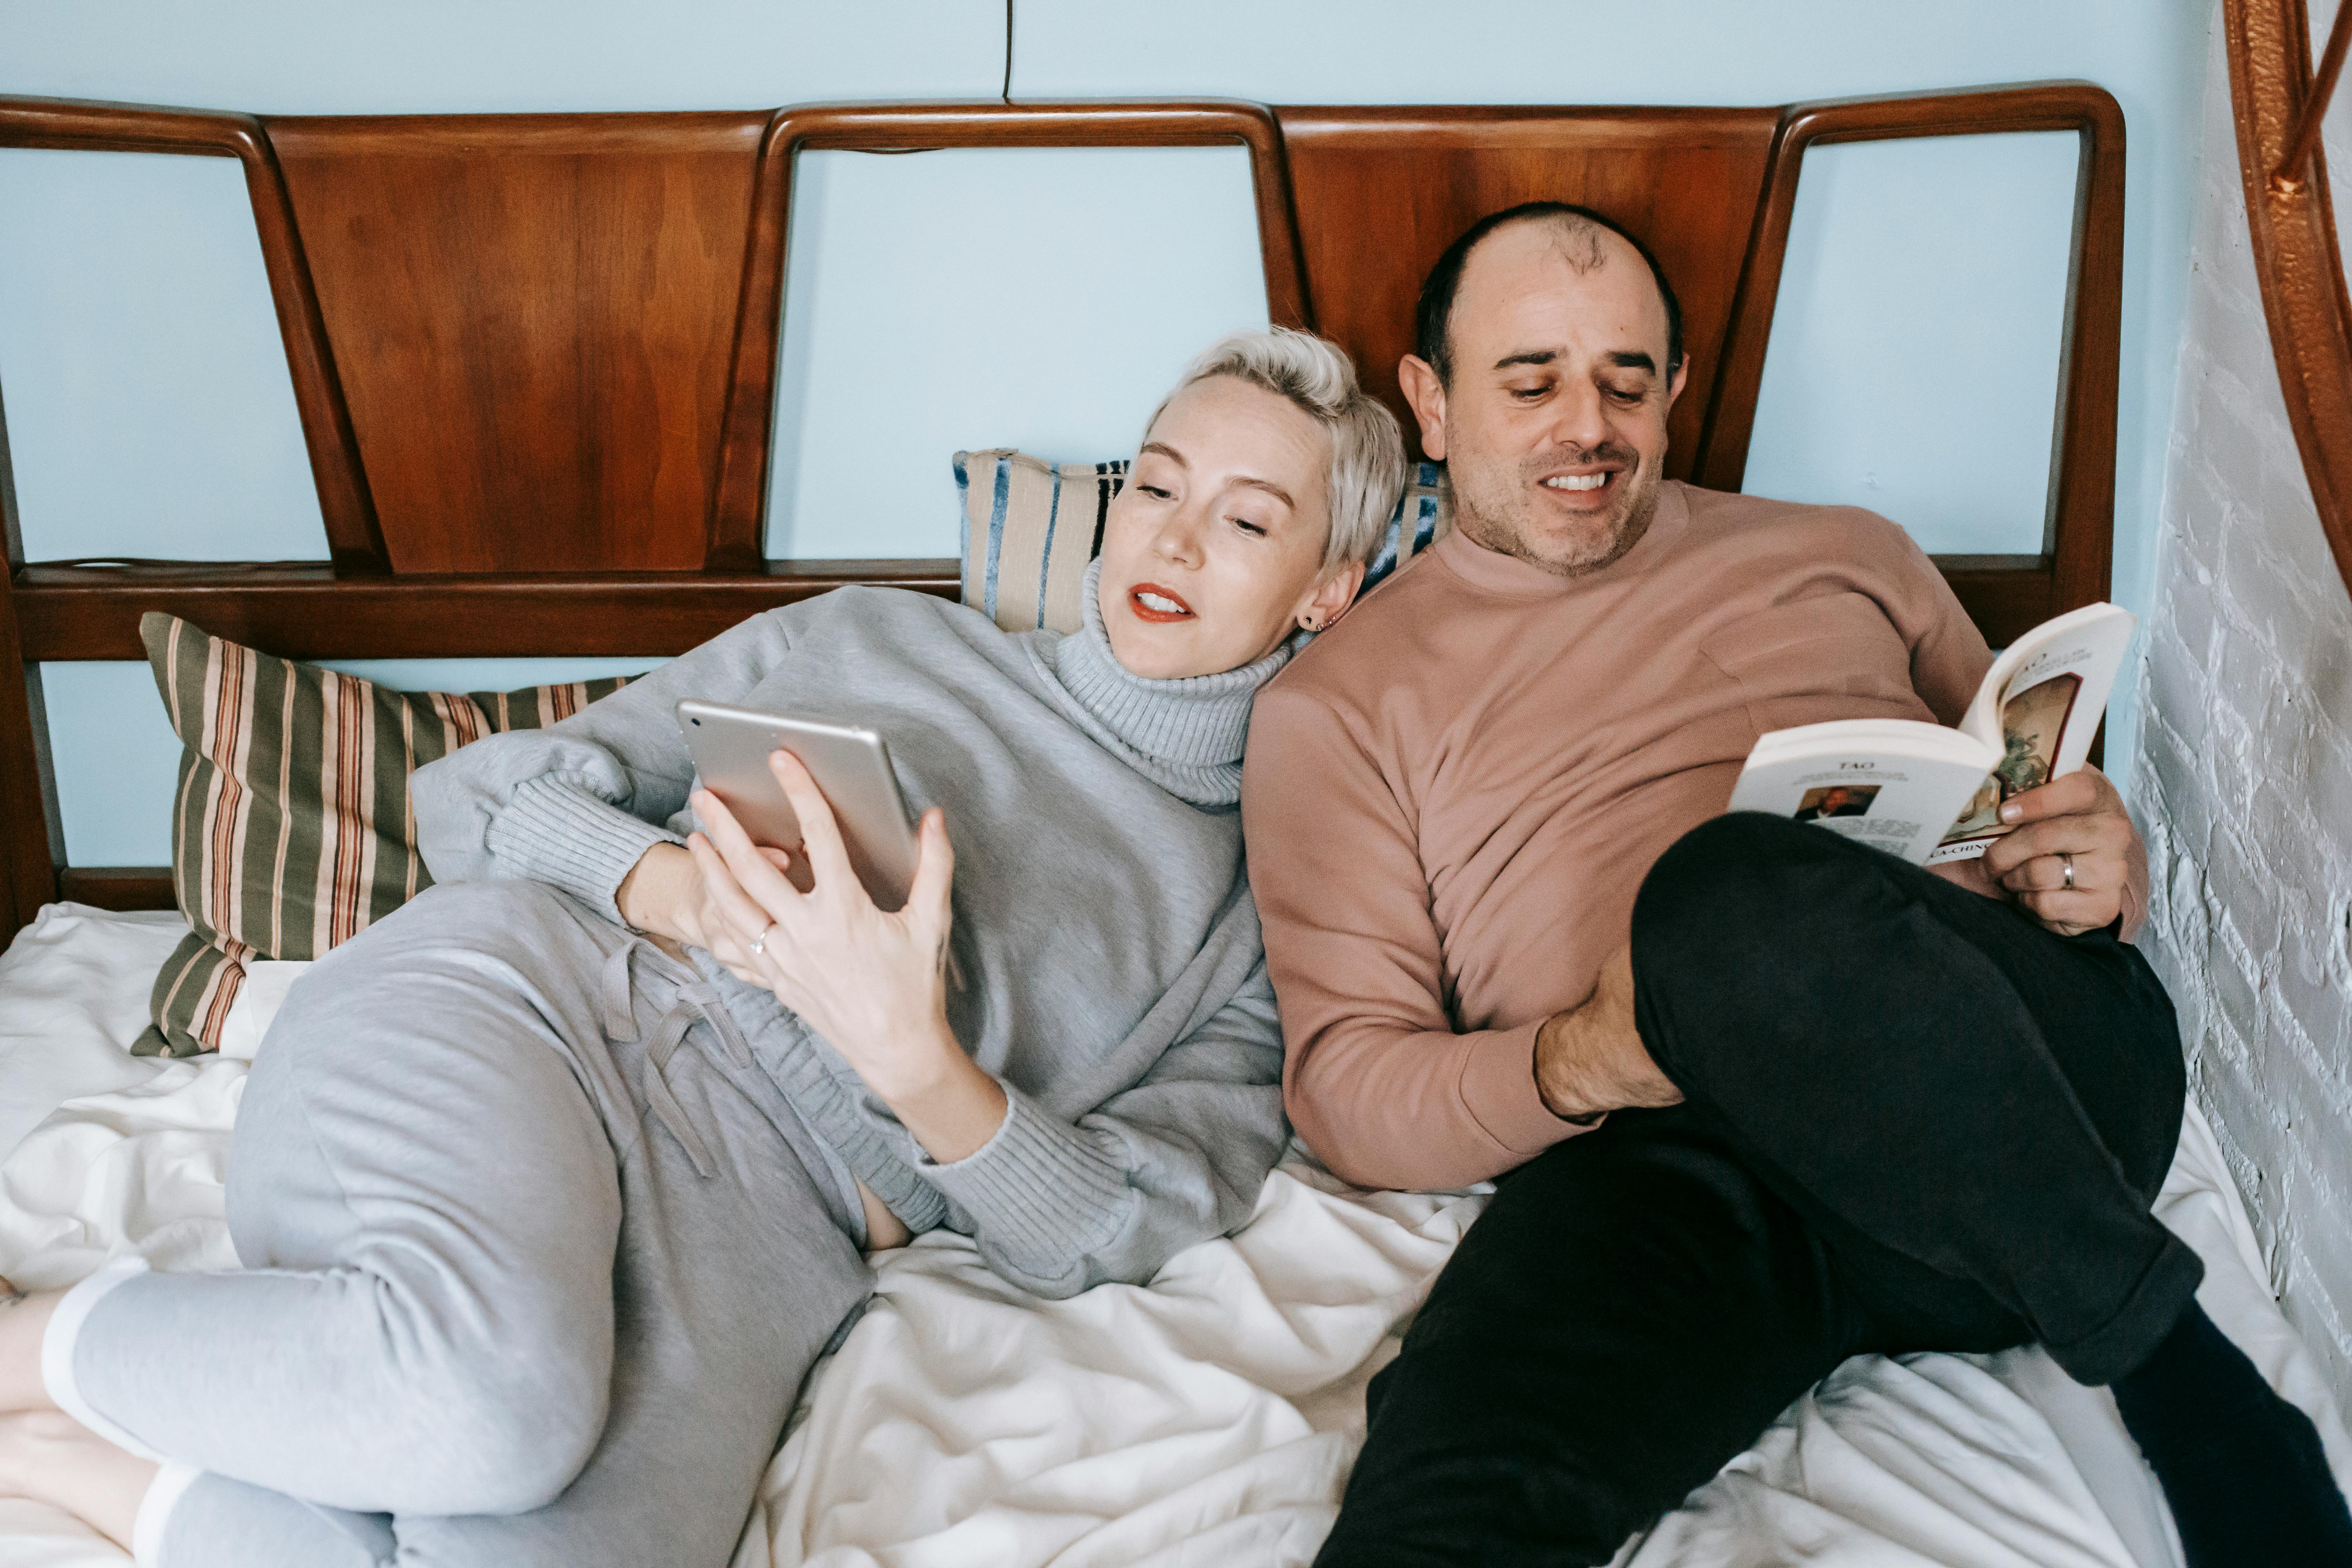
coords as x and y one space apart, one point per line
538 1261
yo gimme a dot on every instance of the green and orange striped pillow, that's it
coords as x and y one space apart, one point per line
291 830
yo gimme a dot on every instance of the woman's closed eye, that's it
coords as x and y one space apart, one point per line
1156 492
1254 530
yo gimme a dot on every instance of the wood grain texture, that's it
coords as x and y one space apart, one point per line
25 856
2006 595
345 506
2079 522
737 518
1380 194
24 815
118 887
2291 222
545 346
531 315
303 611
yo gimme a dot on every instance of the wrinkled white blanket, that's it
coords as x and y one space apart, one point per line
1208 1419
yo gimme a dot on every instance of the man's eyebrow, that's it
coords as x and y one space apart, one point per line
1624 359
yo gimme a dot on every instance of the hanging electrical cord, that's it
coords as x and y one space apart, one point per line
1007 93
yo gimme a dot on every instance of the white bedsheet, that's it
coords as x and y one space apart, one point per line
1207 1419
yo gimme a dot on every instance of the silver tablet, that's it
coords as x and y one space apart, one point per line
851 767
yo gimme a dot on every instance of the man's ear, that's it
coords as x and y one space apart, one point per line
1674 387
1426 394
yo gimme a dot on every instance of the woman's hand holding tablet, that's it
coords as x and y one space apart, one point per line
872 982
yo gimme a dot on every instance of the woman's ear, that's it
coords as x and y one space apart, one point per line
1331 597
1423 389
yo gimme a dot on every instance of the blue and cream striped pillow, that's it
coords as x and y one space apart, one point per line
1031 526
1424 515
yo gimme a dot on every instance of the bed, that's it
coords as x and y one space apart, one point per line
1206 1418
489 506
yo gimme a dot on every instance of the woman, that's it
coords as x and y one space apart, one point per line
555 1182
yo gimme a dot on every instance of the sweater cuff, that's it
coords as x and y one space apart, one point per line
1498 1090
62 1334
1038 1188
155 1516
559 833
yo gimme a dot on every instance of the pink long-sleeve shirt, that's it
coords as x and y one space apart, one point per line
1452 797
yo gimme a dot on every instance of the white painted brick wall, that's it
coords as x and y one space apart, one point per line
2244 780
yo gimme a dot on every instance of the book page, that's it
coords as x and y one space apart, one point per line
2051 705
2033 723
1847 806
1890 786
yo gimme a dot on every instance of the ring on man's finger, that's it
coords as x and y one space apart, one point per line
759 942
2063 855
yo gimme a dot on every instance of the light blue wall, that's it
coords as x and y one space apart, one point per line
149 411
1039 297
1923 392
1042 299
457 57
115 761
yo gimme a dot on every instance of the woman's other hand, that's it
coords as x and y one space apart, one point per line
873 983
666 896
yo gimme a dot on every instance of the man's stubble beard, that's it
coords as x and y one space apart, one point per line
1634 514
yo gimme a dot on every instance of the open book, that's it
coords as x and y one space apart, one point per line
1928 793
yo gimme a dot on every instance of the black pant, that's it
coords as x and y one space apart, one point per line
1912 1119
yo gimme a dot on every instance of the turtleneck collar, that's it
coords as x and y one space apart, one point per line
1186 735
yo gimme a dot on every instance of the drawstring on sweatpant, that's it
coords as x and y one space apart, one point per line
696 999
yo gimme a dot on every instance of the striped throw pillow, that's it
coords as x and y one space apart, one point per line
291 830
1424 515
1030 527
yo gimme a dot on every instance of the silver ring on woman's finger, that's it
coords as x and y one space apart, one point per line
759 942
2061 855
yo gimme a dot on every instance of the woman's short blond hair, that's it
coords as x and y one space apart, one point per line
1318 379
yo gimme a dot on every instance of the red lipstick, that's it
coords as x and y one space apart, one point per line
1160 610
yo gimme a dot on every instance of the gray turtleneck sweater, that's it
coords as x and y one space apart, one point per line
1114 981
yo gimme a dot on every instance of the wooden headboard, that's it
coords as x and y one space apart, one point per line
535 355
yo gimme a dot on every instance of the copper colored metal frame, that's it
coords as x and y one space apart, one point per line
2292 168
2291 219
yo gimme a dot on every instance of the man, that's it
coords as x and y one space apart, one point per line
1511 931
1838 800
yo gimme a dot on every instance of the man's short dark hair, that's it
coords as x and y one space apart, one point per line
1434 314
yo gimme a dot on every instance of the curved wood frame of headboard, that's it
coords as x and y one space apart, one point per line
2078 530
354 542
659 550
2291 219
739 509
